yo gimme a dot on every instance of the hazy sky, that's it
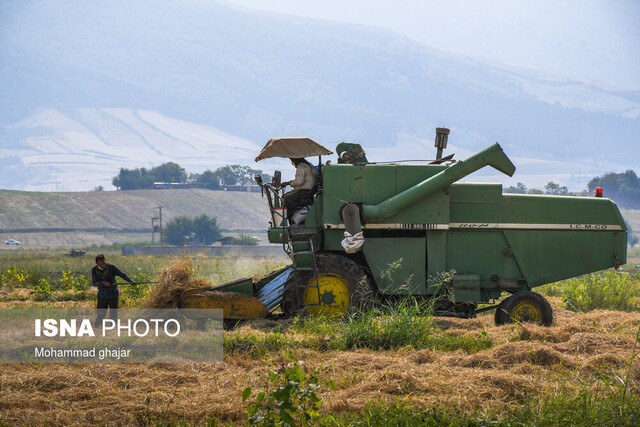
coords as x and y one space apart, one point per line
588 39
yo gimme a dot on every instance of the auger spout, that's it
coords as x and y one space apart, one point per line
491 156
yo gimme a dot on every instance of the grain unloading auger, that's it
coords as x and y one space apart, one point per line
382 231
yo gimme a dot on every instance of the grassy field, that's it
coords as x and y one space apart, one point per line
396 365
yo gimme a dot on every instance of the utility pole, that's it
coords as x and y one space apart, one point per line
161 240
155 228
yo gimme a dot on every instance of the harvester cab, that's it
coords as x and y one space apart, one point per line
379 231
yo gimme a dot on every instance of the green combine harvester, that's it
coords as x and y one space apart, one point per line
379 231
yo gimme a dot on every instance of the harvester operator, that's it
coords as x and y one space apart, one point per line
303 186
103 276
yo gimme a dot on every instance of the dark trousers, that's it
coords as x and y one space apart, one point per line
296 199
103 304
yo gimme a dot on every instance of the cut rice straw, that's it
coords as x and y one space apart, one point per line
172 283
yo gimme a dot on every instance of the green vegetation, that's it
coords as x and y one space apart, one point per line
586 408
551 188
55 276
228 175
624 188
289 397
141 178
245 239
201 230
404 323
607 290
135 179
401 323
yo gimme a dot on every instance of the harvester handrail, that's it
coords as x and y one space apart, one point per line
391 162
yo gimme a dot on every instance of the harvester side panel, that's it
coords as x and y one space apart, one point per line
560 210
372 184
548 238
482 252
398 265
550 255
436 258
396 248
430 210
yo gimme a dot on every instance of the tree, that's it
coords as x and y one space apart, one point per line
246 239
520 188
236 175
208 179
133 179
534 191
169 172
206 229
177 229
555 189
202 230
624 188
228 175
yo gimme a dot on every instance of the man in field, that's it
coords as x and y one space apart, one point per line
103 276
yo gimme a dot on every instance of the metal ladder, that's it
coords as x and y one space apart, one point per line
300 288
309 252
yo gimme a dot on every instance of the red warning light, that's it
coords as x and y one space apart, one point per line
599 192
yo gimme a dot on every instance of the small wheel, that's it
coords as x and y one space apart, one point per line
524 307
343 288
500 316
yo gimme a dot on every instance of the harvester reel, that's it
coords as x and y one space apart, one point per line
524 307
344 288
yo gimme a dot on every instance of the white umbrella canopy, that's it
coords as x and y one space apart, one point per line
292 147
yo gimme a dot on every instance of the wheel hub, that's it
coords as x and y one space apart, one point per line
334 296
526 312
328 298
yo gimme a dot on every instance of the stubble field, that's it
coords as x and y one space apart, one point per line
397 366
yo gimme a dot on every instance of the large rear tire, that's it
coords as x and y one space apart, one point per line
524 307
344 288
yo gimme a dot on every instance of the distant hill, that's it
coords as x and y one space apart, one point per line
86 148
89 86
108 216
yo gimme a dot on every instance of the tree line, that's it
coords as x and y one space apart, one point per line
141 178
623 188
551 188
201 230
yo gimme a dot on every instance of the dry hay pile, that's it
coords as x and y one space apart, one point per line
171 285
176 279
525 362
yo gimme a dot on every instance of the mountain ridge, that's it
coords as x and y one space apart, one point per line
257 75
